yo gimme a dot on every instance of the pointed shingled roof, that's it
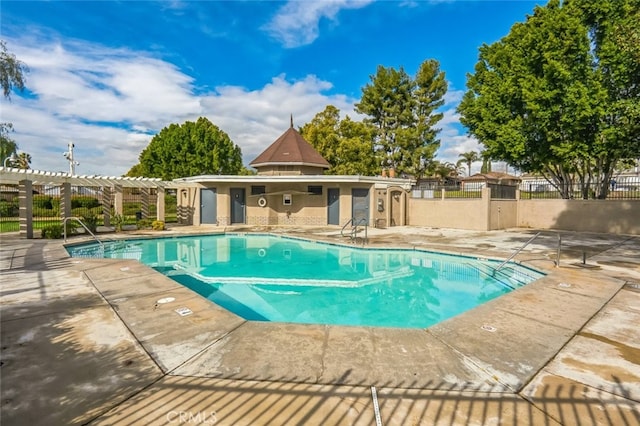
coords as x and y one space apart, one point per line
290 149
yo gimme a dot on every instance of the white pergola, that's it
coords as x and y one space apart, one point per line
25 179
13 176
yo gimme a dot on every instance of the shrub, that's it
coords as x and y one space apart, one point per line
130 209
42 202
8 209
52 231
91 221
117 221
87 202
144 224
157 225
45 213
170 204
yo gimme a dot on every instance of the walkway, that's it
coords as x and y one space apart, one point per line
86 342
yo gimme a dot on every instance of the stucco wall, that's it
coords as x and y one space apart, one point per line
503 214
305 209
461 213
610 216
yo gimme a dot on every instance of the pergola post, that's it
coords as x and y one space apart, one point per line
118 200
144 205
106 205
160 204
25 203
65 200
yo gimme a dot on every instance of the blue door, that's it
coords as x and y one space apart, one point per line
333 206
208 206
238 205
360 205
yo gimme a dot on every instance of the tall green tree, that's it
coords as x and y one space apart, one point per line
540 99
12 71
442 170
468 158
7 145
346 144
187 150
614 29
12 76
403 110
535 100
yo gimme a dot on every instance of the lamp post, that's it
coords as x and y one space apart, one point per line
12 158
69 156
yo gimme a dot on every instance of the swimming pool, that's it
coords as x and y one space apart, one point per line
263 277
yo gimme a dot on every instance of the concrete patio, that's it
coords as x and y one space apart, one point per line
84 341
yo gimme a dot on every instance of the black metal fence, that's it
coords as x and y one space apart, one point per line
464 190
623 188
86 202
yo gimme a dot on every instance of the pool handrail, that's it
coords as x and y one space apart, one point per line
353 235
557 262
77 219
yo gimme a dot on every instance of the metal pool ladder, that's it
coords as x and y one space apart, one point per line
353 234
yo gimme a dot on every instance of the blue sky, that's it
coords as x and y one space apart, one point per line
107 76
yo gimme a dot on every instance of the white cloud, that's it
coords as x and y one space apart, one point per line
297 23
453 141
111 102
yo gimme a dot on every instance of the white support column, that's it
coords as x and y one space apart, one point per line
144 202
25 202
65 200
160 204
106 205
118 200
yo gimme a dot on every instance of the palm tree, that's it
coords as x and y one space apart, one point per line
444 171
468 158
486 162
24 160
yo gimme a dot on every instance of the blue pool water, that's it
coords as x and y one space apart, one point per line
269 278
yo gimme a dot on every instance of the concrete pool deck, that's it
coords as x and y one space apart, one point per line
84 341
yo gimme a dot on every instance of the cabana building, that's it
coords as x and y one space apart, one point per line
291 189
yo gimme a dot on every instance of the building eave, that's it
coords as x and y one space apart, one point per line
406 184
290 163
10 175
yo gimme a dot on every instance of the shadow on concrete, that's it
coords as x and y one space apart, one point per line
65 361
277 402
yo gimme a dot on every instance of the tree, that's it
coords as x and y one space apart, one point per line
346 144
403 111
187 150
12 71
614 29
486 162
24 161
539 100
7 145
468 158
443 171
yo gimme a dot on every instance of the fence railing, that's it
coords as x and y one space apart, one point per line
449 191
465 190
85 202
625 188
